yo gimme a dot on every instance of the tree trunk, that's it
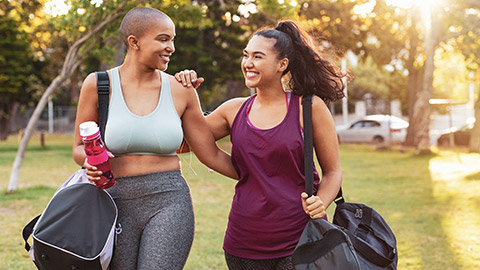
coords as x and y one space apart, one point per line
70 64
74 94
474 144
421 109
12 184
5 116
414 86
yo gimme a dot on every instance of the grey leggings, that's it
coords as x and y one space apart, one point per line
156 215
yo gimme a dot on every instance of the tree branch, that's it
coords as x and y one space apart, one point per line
72 52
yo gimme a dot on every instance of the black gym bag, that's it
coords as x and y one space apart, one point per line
359 237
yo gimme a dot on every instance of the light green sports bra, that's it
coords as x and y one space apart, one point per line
158 133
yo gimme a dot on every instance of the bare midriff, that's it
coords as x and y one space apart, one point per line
141 164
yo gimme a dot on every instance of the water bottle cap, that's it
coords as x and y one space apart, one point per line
88 128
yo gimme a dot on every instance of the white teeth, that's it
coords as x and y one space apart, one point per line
250 74
166 58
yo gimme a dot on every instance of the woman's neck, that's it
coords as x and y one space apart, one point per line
136 72
270 94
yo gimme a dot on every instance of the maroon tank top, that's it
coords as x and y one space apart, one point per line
267 218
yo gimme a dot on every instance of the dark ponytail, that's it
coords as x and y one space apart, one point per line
310 73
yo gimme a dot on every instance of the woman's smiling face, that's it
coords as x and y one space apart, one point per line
156 45
260 63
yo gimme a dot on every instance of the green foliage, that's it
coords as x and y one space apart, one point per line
335 23
450 80
18 82
369 78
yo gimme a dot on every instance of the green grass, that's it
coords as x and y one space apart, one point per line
431 202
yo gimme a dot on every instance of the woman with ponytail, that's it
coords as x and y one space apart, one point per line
269 208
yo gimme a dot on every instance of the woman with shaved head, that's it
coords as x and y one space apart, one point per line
149 115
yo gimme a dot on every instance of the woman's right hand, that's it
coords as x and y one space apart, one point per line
188 78
93 174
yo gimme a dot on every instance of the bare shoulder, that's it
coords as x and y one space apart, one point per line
230 107
90 83
228 110
320 111
319 106
233 103
181 93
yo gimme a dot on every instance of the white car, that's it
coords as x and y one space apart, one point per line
376 128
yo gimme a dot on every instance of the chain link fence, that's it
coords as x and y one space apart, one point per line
59 119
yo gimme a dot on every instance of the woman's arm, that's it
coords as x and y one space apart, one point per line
86 111
201 140
326 149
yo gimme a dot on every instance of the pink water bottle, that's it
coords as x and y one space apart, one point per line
97 153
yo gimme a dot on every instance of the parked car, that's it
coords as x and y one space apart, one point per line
376 128
461 136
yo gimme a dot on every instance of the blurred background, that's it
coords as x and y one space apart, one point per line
415 60
414 89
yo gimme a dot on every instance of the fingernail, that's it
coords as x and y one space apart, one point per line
100 173
189 85
94 168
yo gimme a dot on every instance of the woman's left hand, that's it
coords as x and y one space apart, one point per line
189 78
313 206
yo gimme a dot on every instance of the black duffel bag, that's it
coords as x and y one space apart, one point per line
359 237
77 229
371 236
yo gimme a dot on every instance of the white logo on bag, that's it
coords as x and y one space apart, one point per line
358 213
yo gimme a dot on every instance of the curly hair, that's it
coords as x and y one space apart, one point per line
310 73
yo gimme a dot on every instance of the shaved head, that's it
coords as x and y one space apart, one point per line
138 20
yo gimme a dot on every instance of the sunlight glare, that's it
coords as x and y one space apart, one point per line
364 9
57 7
424 5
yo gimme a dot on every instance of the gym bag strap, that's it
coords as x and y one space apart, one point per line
27 231
322 244
103 91
308 143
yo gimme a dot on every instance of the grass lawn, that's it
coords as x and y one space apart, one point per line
431 202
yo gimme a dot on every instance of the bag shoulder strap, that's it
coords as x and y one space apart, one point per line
308 148
103 91
308 143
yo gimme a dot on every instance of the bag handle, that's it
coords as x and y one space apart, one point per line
308 148
27 231
103 91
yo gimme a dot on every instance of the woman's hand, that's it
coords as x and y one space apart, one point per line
92 172
189 78
313 206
